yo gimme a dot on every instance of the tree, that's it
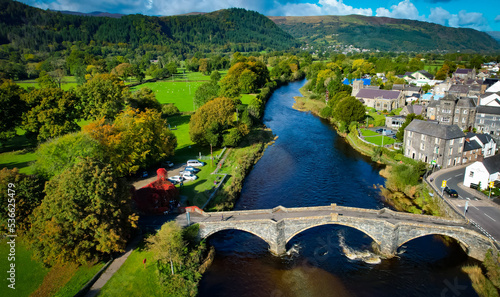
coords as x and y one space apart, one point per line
215 76
143 99
248 81
28 193
11 108
205 93
217 111
59 154
171 67
349 110
167 245
401 131
102 96
136 139
45 80
51 112
87 213
123 70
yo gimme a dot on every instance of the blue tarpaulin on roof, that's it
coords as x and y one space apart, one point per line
366 81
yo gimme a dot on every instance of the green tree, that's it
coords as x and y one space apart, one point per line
248 81
28 193
51 112
86 214
215 76
167 245
144 98
102 96
123 70
349 110
205 93
401 131
44 80
11 108
171 67
217 111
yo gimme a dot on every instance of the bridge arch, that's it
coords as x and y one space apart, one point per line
464 244
268 241
301 230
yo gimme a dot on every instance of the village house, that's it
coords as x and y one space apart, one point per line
488 121
487 143
413 108
472 151
463 73
449 110
431 142
483 172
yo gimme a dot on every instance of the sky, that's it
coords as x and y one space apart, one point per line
481 15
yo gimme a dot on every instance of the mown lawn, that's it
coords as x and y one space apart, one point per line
377 140
29 273
68 83
178 92
366 132
82 276
132 279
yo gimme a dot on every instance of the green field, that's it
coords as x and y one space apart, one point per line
83 275
366 132
377 140
29 273
246 98
177 92
132 279
68 83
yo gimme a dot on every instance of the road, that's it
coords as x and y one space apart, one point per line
480 211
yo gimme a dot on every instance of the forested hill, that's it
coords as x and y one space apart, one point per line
225 30
385 34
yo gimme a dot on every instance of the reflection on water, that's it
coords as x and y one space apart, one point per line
311 165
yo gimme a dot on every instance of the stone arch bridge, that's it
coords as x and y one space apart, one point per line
389 229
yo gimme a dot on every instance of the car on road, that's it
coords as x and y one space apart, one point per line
194 163
452 193
380 130
168 164
189 176
175 179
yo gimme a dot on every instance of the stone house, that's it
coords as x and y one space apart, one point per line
413 108
488 121
394 122
464 73
472 151
452 111
431 141
483 172
381 99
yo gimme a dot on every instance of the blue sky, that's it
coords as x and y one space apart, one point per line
481 15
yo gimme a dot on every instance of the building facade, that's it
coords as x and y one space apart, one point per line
452 111
488 121
434 143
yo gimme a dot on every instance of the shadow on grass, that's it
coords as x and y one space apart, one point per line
178 120
18 142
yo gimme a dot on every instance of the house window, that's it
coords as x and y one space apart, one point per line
451 151
481 121
449 162
451 141
456 120
460 150
446 120
422 137
471 174
457 110
437 140
408 142
422 146
465 111
463 120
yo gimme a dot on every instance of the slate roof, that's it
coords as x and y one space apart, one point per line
463 71
464 88
492 163
416 109
433 103
466 102
372 94
488 109
436 130
426 74
483 138
471 145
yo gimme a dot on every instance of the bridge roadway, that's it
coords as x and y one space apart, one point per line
389 229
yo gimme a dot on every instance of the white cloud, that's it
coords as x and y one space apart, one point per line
463 19
404 10
439 16
323 7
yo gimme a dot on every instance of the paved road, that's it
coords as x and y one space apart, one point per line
484 213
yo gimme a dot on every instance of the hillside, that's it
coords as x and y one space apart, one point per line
23 26
385 34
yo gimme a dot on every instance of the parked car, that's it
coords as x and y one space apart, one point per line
379 130
474 186
189 176
168 164
452 193
192 169
194 163
175 179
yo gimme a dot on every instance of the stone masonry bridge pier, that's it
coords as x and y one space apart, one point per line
388 229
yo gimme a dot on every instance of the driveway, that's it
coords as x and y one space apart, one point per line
484 213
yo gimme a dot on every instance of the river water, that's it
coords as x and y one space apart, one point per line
311 165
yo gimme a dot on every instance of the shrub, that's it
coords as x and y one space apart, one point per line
169 109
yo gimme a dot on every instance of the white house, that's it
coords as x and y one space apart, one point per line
494 88
482 172
487 143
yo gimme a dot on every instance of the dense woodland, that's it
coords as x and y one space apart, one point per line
385 34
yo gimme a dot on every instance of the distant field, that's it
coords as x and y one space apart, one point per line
179 93
68 83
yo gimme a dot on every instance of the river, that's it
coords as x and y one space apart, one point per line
311 165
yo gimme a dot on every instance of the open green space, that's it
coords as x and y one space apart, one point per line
377 140
195 76
177 92
366 132
133 279
29 273
67 83
82 276
246 98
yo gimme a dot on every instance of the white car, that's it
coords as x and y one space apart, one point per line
189 176
194 163
176 179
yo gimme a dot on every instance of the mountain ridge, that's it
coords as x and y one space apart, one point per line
384 33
